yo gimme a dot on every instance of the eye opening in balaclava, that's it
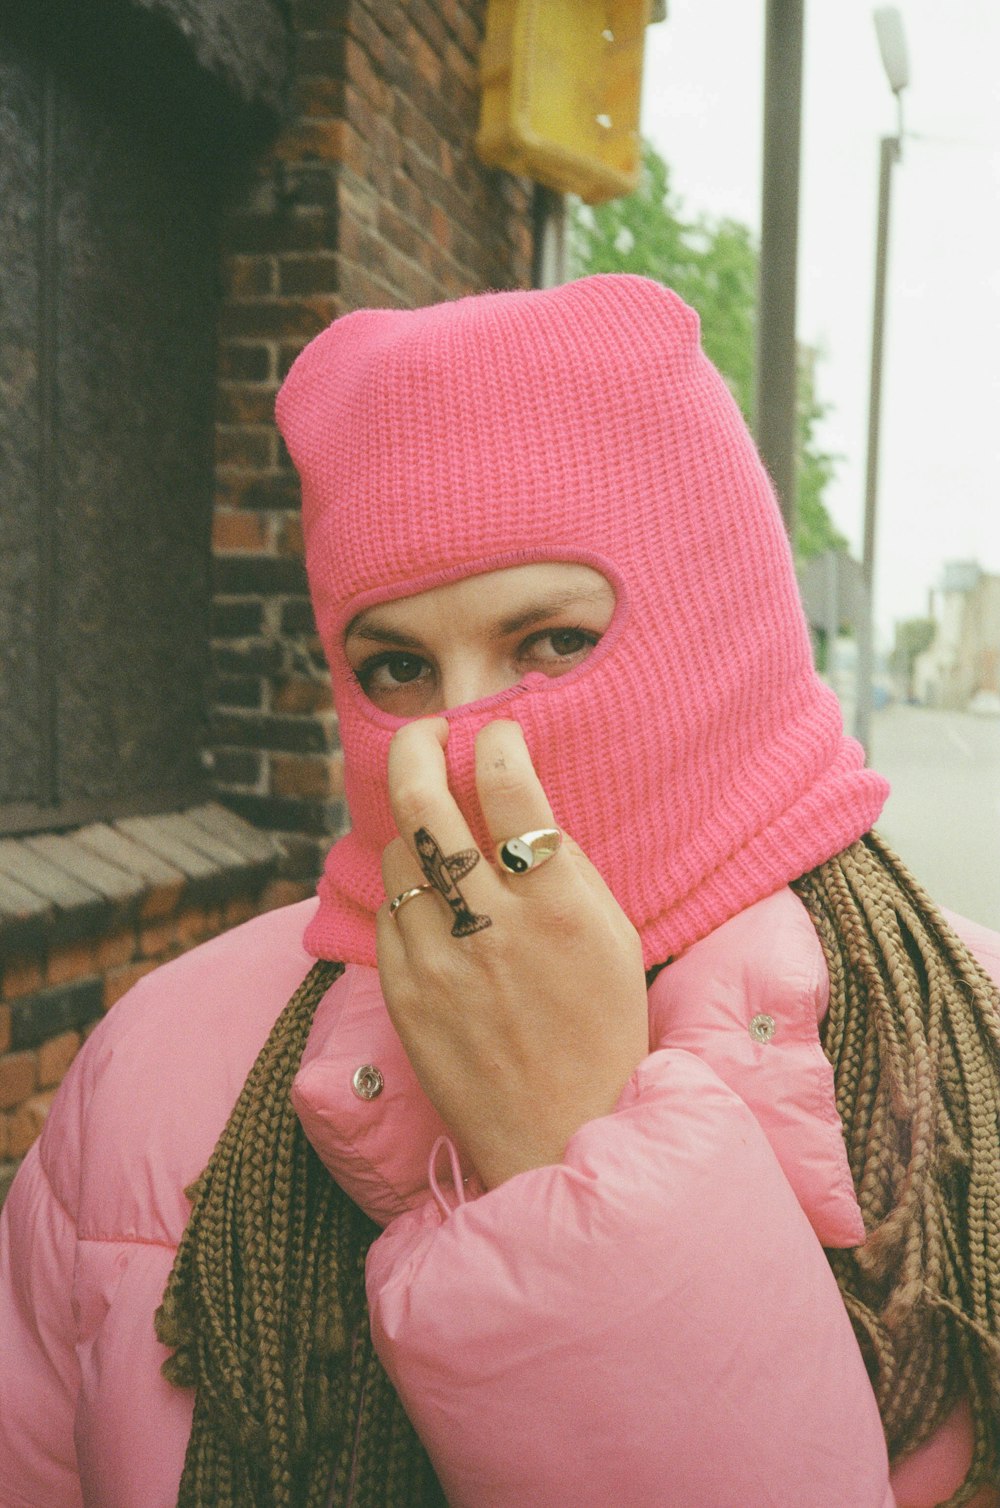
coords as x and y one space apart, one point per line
537 681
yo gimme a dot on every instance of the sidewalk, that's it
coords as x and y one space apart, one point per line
943 816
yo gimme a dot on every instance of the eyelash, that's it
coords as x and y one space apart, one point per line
364 672
367 668
586 634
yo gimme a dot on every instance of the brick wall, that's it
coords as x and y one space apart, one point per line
84 915
53 994
372 194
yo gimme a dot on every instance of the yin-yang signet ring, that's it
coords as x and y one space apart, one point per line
527 850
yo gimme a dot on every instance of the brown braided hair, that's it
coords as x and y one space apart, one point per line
913 1033
265 1312
265 1307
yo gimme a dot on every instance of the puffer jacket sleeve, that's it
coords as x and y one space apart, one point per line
39 1376
650 1322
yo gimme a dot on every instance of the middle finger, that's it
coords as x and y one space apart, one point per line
512 797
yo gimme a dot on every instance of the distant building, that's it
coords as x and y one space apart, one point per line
964 658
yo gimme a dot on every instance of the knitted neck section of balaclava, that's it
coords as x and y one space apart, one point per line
694 755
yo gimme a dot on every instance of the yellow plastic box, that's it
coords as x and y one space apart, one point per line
561 81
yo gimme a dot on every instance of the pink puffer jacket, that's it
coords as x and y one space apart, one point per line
651 1322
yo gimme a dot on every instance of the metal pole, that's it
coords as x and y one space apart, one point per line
889 153
775 375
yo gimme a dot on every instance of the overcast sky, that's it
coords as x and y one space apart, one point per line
702 108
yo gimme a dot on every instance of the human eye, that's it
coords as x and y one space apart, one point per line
382 674
554 651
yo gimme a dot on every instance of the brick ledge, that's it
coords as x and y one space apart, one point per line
61 887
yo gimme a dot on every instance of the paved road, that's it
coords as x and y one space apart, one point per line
943 817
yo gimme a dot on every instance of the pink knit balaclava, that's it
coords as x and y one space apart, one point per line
694 755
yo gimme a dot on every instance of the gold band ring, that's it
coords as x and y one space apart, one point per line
407 895
528 850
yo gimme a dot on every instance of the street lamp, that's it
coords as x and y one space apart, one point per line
775 423
892 45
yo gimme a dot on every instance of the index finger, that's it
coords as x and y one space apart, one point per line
432 826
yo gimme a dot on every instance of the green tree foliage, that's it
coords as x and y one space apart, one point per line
913 636
712 264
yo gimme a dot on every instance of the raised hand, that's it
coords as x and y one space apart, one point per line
520 999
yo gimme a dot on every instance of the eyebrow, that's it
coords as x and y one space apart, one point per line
548 607
377 635
534 612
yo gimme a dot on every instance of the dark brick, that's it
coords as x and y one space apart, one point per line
392 19
289 814
263 575
247 277
406 196
302 229
24 916
313 185
233 620
274 493
427 19
7 1172
251 449
372 38
278 317
238 691
68 1007
242 362
236 766
468 26
297 617
416 129
364 78
319 15
397 67
320 52
287 353
309 274
291 735
239 404
397 230
264 657
303 856
318 94
369 290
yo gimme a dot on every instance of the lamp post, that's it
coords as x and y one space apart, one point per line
892 45
775 411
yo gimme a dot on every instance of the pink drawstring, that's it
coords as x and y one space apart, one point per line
457 1181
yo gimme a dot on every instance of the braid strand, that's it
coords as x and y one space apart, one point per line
913 1034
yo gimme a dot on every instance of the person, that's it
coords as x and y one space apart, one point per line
620 1123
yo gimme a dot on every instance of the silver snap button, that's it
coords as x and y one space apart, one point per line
762 1028
367 1082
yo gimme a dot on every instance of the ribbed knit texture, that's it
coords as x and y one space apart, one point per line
695 755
